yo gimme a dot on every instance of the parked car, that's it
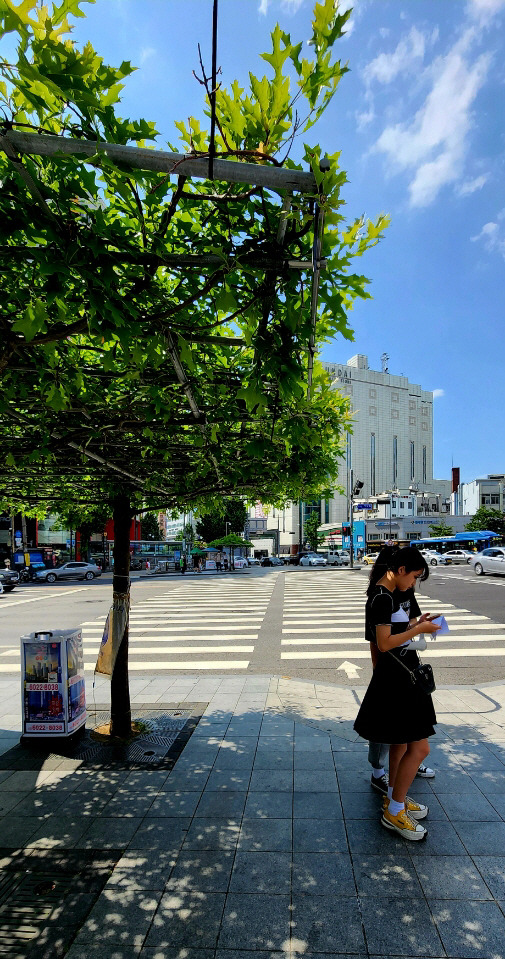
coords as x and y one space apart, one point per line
8 579
240 562
68 571
369 558
490 560
459 555
252 561
433 558
338 557
313 559
272 561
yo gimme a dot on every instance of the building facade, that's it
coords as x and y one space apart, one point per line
488 491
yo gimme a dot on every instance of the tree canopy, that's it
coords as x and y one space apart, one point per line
156 330
215 524
486 518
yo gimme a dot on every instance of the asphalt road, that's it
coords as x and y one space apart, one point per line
298 622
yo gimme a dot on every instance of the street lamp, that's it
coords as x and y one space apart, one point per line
227 525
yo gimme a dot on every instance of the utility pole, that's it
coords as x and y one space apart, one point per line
351 508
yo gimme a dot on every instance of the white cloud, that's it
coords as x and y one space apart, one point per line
438 393
290 5
384 32
146 53
470 186
434 145
492 235
405 59
363 119
485 10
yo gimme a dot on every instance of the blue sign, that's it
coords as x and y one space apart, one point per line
364 506
358 536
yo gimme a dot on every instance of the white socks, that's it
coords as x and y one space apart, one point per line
377 773
395 807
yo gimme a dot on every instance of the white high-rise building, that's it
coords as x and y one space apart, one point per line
390 448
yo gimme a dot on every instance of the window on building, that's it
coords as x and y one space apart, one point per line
372 411
372 394
412 404
326 511
395 459
412 421
424 464
395 398
349 452
485 499
372 464
395 415
495 499
412 461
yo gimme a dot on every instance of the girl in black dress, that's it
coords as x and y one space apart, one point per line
394 710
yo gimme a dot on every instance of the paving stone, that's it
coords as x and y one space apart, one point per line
450 877
315 805
368 834
327 924
481 838
221 804
269 805
313 759
400 927
108 833
319 835
274 758
462 807
353 780
240 759
383 878
187 780
232 780
263 922
129 804
271 780
187 919
212 834
442 840
120 916
470 929
261 872
173 804
266 835
18 832
166 834
492 870
323 874
201 871
82 949
361 805
477 757
490 781
167 952
61 831
315 780
33 803
452 780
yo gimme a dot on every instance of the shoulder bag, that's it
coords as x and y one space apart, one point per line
422 676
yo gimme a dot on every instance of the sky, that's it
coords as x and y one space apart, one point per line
419 121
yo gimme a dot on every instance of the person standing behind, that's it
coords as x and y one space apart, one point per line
394 711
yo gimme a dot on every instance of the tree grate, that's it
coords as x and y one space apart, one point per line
167 729
44 902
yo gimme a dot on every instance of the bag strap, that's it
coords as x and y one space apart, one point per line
398 660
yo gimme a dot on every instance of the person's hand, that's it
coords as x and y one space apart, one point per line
429 627
424 617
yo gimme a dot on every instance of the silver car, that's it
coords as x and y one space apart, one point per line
459 555
313 559
68 571
491 560
433 558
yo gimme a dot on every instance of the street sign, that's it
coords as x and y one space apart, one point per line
363 506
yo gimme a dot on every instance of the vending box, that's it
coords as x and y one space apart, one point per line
52 683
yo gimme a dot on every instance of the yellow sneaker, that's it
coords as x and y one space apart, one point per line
416 810
405 826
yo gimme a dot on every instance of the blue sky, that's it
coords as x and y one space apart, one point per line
419 123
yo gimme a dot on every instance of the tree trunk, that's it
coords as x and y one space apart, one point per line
120 713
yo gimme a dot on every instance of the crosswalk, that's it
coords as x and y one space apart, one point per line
324 620
209 625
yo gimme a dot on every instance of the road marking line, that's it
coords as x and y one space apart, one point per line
36 599
339 640
364 654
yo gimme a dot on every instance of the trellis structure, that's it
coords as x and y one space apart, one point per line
158 327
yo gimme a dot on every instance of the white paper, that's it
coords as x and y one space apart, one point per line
444 628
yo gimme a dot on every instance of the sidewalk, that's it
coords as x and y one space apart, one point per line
263 840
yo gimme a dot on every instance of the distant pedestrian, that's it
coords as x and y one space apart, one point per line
148 565
394 711
183 564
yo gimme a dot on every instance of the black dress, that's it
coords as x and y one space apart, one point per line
393 709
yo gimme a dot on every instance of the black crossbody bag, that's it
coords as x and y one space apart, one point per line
422 676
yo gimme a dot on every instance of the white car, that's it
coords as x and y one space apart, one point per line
338 557
433 558
459 555
313 559
240 562
252 561
491 560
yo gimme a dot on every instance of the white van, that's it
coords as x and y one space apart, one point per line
338 557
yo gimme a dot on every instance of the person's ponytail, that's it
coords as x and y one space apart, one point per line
381 565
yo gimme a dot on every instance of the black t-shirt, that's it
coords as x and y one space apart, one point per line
392 609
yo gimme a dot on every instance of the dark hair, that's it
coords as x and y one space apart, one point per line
391 557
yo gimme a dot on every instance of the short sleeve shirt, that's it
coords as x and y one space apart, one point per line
392 609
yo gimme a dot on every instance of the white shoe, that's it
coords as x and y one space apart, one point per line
424 772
